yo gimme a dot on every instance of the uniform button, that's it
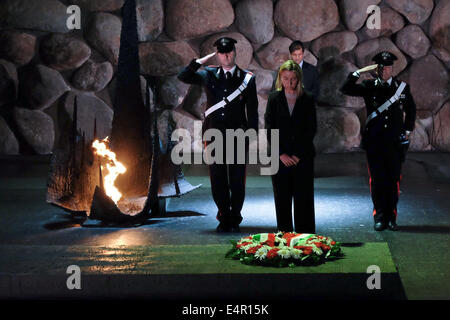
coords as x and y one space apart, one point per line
386 117
223 113
385 125
225 90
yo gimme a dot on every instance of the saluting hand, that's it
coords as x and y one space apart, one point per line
297 160
206 58
368 68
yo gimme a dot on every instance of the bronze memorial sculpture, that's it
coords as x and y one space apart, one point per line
77 174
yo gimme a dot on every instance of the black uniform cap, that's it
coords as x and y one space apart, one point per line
385 58
225 44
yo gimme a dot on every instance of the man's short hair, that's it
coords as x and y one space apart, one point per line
296 45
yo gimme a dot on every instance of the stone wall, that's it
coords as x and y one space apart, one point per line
43 65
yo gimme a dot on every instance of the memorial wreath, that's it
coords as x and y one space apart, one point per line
284 249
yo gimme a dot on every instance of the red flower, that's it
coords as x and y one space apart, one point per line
272 253
333 243
270 240
243 244
288 236
325 247
252 250
269 243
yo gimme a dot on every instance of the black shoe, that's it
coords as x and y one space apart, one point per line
222 227
379 226
392 225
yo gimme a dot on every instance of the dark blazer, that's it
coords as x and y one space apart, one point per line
233 115
297 131
389 125
311 79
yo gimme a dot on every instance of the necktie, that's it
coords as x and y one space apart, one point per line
228 75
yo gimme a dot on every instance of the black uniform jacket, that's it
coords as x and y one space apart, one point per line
311 79
233 115
297 131
388 125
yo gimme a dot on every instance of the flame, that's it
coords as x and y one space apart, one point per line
113 167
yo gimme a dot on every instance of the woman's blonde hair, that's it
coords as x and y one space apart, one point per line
290 65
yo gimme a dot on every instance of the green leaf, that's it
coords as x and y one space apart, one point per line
248 260
230 253
233 254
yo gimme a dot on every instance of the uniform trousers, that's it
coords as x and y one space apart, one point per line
384 162
295 183
228 187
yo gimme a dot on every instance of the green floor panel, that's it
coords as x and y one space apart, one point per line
174 259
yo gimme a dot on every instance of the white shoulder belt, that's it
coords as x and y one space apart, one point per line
231 97
388 103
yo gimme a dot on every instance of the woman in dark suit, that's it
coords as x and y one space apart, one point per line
292 111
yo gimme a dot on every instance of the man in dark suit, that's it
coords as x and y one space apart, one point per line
227 108
386 135
310 73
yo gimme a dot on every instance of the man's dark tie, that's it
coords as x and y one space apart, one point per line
228 75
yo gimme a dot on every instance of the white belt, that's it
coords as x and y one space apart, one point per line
231 97
388 103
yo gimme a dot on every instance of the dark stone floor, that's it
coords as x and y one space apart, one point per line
420 249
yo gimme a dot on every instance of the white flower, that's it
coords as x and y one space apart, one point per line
317 250
284 252
282 242
296 253
261 253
